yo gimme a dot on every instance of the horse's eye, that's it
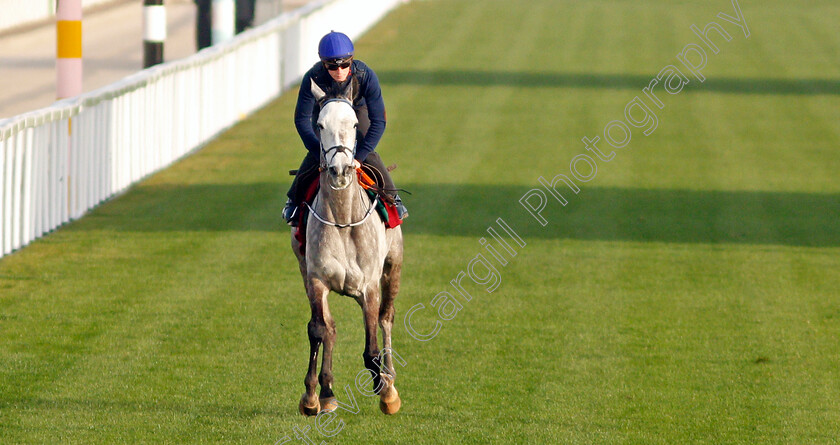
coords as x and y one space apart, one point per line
320 126
356 125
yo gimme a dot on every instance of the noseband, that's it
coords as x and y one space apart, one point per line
338 149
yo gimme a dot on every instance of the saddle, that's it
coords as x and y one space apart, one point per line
370 180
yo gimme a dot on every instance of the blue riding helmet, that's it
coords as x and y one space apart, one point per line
335 45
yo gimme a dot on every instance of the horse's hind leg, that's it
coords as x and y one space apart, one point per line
321 329
389 398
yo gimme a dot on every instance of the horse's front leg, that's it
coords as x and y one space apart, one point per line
321 329
389 398
370 310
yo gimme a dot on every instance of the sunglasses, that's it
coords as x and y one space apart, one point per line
333 65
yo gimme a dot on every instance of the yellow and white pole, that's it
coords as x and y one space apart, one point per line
68 48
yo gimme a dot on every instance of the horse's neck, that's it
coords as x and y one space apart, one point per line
343 205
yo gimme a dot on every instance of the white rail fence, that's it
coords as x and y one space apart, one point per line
59 162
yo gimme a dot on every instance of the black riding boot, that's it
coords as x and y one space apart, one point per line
305 173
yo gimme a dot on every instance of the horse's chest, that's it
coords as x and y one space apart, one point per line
344 274
345 277
348 264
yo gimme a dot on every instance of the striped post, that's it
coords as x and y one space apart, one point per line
68 48
224 20
154 32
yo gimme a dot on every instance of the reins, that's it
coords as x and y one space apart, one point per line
322 220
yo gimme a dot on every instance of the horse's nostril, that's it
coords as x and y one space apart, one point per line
333 171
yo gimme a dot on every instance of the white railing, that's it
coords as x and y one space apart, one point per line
59 162
22 12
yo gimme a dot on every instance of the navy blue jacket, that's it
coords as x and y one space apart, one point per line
366 92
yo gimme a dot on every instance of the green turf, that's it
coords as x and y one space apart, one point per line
688 294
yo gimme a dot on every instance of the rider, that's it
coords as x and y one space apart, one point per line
336 68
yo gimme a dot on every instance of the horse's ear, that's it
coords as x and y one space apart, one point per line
317 91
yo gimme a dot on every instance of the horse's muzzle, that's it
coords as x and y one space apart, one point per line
341 177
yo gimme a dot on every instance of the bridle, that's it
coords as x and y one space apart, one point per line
339 149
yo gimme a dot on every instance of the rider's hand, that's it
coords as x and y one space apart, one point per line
357 164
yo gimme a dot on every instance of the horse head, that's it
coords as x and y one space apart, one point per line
337 130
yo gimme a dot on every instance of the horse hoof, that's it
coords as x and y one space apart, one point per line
389 400
329 404
308 408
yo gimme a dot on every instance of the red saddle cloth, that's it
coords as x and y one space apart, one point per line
388 212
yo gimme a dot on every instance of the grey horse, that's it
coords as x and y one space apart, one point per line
348 251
